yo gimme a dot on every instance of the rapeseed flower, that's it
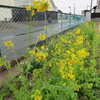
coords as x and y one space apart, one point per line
35 2
39 97
8 44
64 84
82 53
46 28
32 13
38 91
42 47
41 56
28 8
41 6
42 37
50 64
78 31
32 52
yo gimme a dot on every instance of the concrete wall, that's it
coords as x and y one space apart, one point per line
97 10
95 19
39 23
88 16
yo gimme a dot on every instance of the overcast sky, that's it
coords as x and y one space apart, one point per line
79 5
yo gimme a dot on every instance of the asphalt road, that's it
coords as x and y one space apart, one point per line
19 36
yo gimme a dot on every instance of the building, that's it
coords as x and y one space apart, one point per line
98 7
6 11
16 15
24 3
52 17
95 16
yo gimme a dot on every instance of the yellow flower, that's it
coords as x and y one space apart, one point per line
42 47
42 37
28 8
72 49
81 63
78 31
64 84
45 28
34 2
71 68
64 41
71 76
32 96
32 52
70 71
38 91
50 64
73 60
81 68
41 56
32 13
64 77
82 53
91 67
41 6
8 44
69 63
38 97
68 52
34 74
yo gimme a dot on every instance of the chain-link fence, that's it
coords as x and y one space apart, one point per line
15 25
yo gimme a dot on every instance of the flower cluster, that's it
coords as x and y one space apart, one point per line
9 44
37 95
40 56
2 61
39 6
42 37
78 31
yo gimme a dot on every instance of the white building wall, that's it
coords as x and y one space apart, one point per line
23 3
97 10
52 6
98 7
5 13
7 2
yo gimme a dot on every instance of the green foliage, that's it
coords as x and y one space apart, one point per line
68 72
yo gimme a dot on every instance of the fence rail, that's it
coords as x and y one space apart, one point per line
14 24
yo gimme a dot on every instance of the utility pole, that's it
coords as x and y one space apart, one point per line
91 5
74 8
70 9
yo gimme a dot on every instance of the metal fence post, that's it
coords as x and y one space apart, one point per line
0 55
74 20
61 22
69 21
45 14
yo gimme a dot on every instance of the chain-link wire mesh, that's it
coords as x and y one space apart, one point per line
15 26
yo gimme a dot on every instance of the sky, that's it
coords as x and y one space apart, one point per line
67 5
